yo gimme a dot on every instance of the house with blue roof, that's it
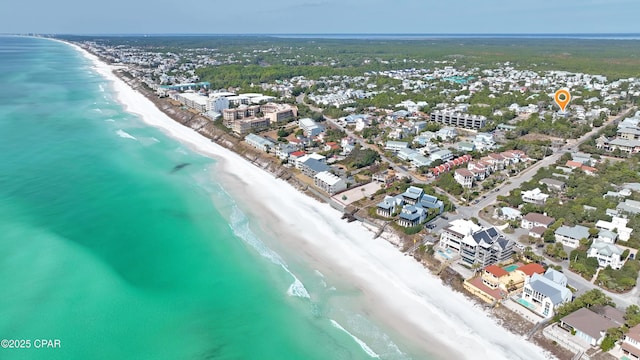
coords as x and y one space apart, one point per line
311 167
431 202
442 155
544 293
412 195
388 206
571 236
411 215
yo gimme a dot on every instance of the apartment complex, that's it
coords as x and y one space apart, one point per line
458 120
251 118
329 182
192 100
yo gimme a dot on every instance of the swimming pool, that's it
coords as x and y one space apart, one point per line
511 268
447 254
526 304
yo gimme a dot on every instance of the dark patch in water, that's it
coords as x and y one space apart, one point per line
179 167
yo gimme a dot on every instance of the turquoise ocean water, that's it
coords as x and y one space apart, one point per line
107 248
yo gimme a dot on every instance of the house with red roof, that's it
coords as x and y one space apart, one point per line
527 271
296 155
496 283
573 164
589 170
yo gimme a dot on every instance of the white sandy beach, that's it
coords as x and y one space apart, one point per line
397 290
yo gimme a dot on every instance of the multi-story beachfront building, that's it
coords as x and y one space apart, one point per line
245 126
217 103
278 112
241 112
193 100
475 244
329 182
452 118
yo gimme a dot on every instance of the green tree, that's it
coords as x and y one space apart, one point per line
632 315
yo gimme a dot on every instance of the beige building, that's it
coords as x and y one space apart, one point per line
245 126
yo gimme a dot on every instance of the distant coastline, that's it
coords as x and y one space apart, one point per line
390 36
585 36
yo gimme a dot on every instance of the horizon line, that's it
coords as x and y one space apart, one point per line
335 33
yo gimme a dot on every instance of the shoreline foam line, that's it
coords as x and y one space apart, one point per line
396 290
362 344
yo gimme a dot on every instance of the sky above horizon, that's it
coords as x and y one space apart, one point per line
321 17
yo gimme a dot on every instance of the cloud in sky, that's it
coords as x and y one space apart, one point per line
322 16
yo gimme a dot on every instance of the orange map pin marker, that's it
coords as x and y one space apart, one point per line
562 98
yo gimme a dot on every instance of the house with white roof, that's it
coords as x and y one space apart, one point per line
310 127
508 213
618 224
329 182
447 133
396 146
544 293
607 254
535 196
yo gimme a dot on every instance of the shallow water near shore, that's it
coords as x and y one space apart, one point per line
112 245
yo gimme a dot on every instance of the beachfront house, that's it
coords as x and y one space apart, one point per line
496 283
412 215
389 205
412 195
475 244
588 326
571 236
259 142
544 293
